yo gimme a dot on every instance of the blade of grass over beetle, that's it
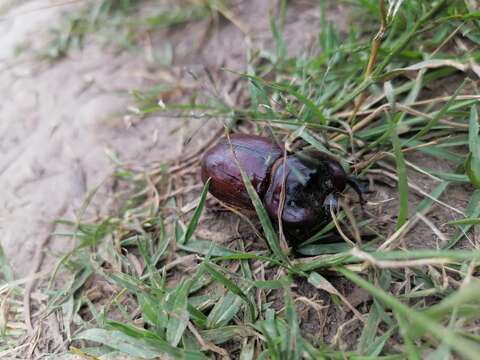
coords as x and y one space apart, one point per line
270 233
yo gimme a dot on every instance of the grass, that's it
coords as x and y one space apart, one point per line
120 23
12 327
368 96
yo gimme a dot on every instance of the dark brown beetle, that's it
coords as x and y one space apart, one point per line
312 181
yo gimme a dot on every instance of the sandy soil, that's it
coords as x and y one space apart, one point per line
56 127
60 121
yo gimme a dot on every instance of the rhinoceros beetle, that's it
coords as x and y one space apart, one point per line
312 181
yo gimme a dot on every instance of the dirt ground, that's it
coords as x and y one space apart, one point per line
60 121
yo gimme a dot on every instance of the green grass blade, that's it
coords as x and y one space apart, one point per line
224 311
472 211
412 352
268 229
402 179
178 314
469 221
230 285
472 164
293 350
139 343
206 247
466 348
196 215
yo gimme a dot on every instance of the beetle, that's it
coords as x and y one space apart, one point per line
312 181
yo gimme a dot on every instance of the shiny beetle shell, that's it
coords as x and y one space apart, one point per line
256 155
311 180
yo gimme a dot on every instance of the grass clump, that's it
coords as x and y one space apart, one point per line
120 23
367 96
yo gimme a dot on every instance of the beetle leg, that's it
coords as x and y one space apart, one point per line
359 187
330 202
